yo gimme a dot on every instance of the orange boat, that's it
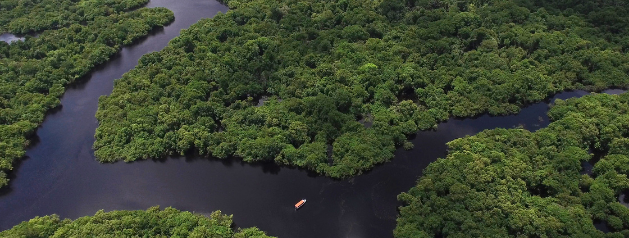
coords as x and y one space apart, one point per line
300 203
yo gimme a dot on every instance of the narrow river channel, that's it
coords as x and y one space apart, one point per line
60 174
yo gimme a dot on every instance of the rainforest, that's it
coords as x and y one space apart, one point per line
512 183
284 81
76 37
153 222
249 110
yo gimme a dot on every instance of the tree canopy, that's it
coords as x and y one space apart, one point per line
153 222
78 36
326 66
517 183
21 17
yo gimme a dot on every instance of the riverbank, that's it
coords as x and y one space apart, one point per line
72 184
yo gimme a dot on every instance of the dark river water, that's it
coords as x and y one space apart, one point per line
60 174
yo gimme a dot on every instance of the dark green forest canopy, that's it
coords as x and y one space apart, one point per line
79 35
357 75
27 16
153 222
517 183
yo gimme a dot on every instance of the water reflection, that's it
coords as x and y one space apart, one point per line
8 38
61 175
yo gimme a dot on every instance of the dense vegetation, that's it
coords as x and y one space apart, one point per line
356 75
21 17
150 223
33 73
517 183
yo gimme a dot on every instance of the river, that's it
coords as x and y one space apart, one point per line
60 174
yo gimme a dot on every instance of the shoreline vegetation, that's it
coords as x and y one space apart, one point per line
324 66
75 37
517 183
153 222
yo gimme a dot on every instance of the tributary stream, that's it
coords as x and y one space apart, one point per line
60 174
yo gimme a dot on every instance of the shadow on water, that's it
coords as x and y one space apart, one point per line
601 226
153 32
588 165
33 141
267 167
54 110
6 189
61 175
193 157
81 83
11 175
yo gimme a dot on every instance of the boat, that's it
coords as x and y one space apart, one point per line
300 203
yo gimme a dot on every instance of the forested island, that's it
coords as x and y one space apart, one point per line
287 80
284 80
153 222
73 37
517 183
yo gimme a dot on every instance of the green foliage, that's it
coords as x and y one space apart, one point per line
326 65
153 222
21 17
33 73
516 183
